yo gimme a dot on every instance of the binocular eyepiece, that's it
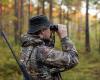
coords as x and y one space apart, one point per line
54 27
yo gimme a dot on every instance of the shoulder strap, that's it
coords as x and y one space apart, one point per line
30 55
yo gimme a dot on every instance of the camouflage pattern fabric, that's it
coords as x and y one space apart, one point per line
43 61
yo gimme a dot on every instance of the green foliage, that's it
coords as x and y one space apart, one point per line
70 2
93 1
4 2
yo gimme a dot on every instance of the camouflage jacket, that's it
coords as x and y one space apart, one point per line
43 61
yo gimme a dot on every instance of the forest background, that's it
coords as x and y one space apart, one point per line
82 20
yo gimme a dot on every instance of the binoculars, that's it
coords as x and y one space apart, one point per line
54 28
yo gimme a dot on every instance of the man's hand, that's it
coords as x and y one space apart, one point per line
62 30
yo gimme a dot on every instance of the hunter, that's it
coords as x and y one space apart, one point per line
41 59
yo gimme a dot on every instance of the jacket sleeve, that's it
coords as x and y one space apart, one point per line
51 57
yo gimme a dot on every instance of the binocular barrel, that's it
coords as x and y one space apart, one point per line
54 27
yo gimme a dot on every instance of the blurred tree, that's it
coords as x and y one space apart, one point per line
0 13
18 19
60 11
97 2
87 37
21 16
42 4
38 7
69 4
51 10
99 37
43 7
16 22
79 26
3 5
29 5
51 6
99 32
0 8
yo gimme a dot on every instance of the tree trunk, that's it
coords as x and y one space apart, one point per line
43 7
79 27
60 15
29 9
99 42
16 22
19 19
0 15
63 17
21 16
0 8
50 15
99 37
38 8
87 38
68 22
